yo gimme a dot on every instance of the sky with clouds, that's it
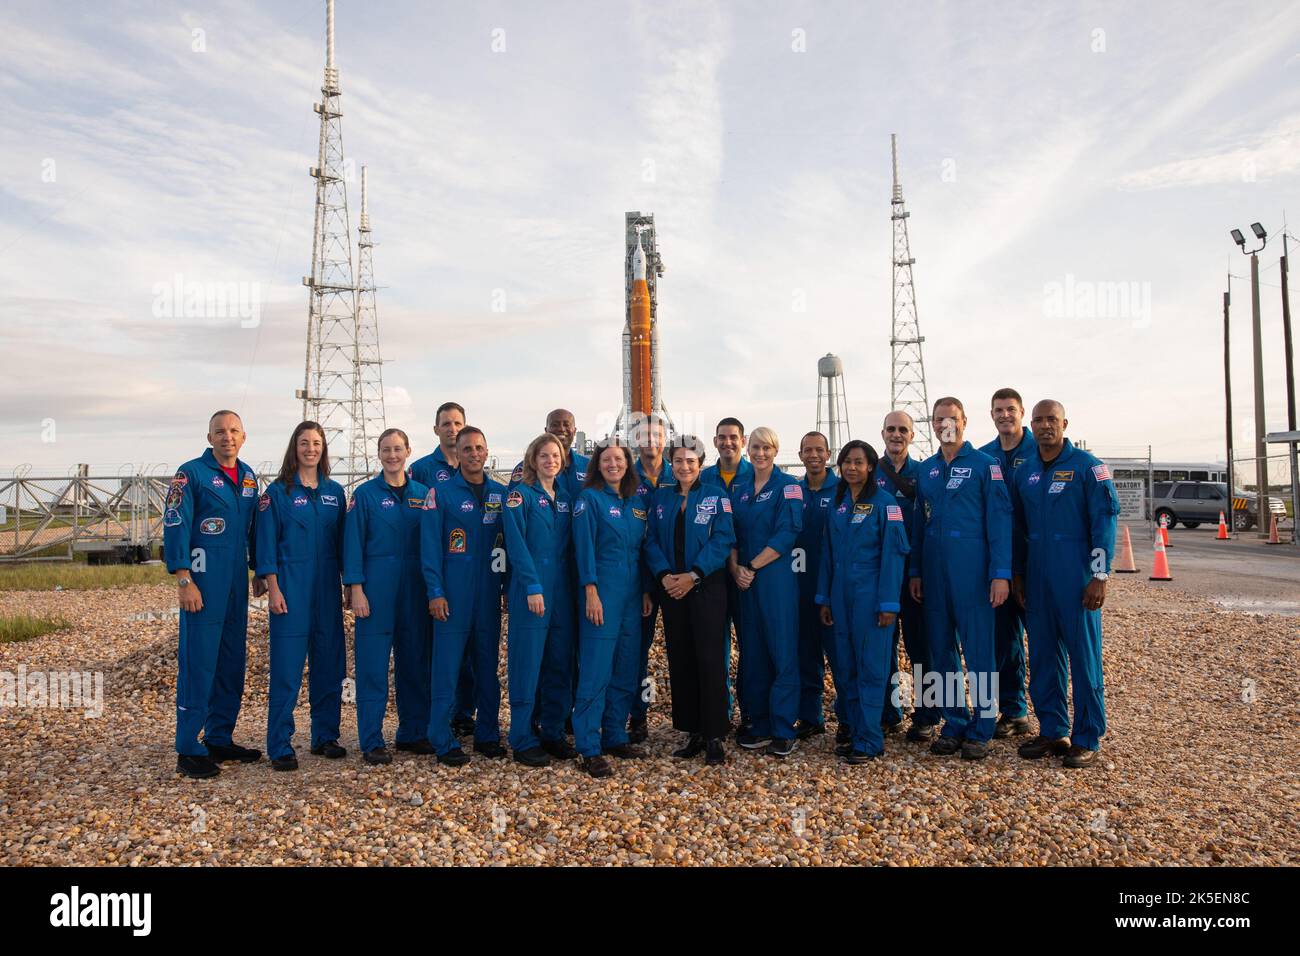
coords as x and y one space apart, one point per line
1046 150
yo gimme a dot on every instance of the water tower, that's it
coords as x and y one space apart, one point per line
832 409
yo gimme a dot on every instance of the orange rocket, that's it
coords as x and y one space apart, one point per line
639 327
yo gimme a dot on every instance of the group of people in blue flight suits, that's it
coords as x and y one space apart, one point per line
954 558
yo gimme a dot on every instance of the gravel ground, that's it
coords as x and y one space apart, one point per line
1198 768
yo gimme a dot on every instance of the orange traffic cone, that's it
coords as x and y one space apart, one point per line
1160 572
1164 530
1124 563
1223 528
1272 532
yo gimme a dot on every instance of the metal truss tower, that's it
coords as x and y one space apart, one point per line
368 419
329 393
907 378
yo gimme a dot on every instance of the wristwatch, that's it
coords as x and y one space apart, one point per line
183 582
1100 576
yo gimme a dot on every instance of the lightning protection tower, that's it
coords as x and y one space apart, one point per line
907 379
368 421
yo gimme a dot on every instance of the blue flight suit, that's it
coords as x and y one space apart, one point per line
641 699
430 471
300 541
207 527
1009 619
1066 515
571 479
911 619
539 650
381 552
864 553
961 542
607 535
462 547
816 640
769 610
712 475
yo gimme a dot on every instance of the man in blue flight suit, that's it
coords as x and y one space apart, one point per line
438 466
898 474
816 640
561 423
732 469
463 554
208 547
961 569
1011 449
1066 512
650 437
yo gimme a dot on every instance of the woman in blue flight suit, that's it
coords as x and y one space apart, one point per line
381 564
687 545
768 517
609 522
539 643
299 553
858 589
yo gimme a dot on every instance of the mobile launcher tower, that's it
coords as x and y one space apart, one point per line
642 269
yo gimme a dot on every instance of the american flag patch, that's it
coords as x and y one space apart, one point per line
893 513
995 472
726 505
794 491
1101 472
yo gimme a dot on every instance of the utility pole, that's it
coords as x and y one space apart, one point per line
1290 387
1227 396
1261 449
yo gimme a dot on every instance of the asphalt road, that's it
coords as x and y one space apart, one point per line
1241 574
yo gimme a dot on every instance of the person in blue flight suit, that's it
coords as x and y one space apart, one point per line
898 474
540 641
768 517
300 554
438 466
733 468
652 470
864 552
609 523
463 549
961 569
688 543
816 640
1011 449
207 540
1066 513
381 566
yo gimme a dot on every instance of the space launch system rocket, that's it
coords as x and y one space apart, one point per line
639 329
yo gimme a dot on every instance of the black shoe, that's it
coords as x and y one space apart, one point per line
745 728
844 735
455 757
804 729
752 742
200 768
781 747
843 750
378 756
893 728
859 757
974 749
693 747
330 750
560 749
285 763
1011 727
920 733
945 746
623 752
462 726
492 749
714 754
1041 747
596 766
533 757
1079 758
638 731
224 753
422 747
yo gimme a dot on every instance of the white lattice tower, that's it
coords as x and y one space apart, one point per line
907 377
